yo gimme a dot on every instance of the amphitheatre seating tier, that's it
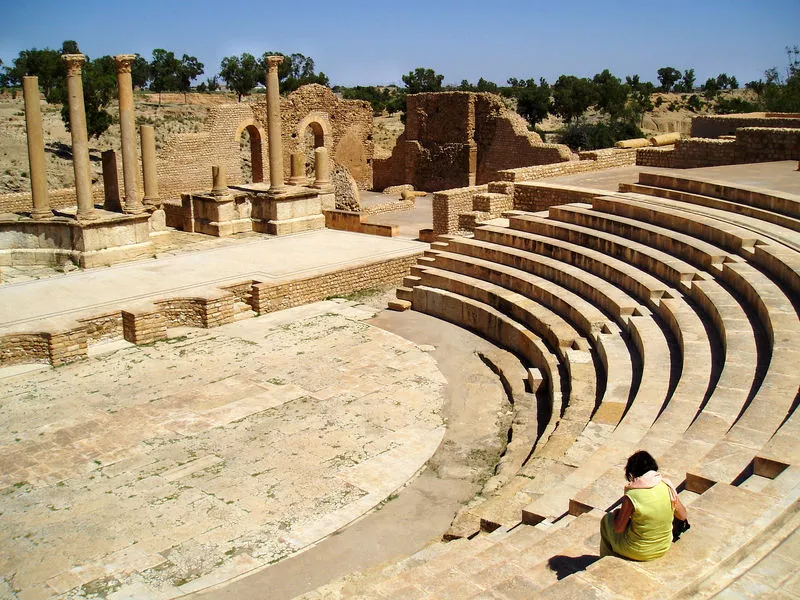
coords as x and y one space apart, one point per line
766 216
770 200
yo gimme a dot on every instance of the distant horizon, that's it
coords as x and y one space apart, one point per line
355 45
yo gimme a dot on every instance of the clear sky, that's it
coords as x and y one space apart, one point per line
377 42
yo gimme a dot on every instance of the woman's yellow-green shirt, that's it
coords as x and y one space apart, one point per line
649 532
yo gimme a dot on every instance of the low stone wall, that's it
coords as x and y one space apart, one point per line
19 202
270 297
713 126
345 220
767 144
448 204
752 145
149 323
533 197
394 206
594 160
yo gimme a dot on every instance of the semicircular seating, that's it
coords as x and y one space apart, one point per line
697 285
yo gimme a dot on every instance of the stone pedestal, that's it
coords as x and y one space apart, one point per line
298 169
107 239
293 210
216 214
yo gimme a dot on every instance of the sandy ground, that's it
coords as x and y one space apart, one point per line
174 466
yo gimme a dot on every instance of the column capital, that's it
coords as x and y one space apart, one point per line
124 62
274 61
74 63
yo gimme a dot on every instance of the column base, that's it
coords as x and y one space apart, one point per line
41 213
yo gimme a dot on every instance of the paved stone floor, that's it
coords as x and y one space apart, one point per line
159 470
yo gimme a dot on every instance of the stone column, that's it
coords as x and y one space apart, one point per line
219 181
111 201
127 126
274 126
322 171
298 169
33 127
80 139
149 172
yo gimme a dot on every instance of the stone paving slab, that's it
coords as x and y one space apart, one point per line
263 259
157 471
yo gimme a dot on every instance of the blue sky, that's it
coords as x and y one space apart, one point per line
377 42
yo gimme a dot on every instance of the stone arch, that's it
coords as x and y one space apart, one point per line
320 124
257 136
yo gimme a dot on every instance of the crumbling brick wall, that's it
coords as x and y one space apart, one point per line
713 126
456 139
752 145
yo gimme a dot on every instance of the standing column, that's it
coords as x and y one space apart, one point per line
322 170
80 139
127 128
33 127
274 126
149 172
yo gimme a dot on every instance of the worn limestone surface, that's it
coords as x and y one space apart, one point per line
159 470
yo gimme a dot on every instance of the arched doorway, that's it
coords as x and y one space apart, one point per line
313 138
250 154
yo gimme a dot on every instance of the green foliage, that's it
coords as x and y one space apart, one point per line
778 96
422 80
140 72
533 100
240 73
586 136
572 96
639 97
694 103
686 84
726 106
668 76
99 89
296 70
482 86
610 94
381 99
46 64
187 70
164 72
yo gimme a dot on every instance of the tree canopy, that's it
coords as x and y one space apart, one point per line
422 80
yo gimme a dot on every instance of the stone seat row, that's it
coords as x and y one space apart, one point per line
724 312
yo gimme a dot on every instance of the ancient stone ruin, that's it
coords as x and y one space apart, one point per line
568 310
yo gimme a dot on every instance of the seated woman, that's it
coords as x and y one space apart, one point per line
641 529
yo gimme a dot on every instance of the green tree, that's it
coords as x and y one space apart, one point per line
99 89
70 47
240 73
533 100
140 72
164 75
611 94
668 76
295 70
187 70
640 97
422 80
687 82
45 64
572 96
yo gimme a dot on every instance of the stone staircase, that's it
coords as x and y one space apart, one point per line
663 319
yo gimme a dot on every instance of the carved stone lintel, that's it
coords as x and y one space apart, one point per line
274 61
124 62
74 63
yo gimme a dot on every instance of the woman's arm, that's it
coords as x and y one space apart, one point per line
680 509
622 515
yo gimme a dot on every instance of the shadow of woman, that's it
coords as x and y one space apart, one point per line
564 565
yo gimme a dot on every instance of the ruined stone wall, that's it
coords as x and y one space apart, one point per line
453 139
448 204
594 160
752 144
345 125
767 144
713 126
18 202
504 141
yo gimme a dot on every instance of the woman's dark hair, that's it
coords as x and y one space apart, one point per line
640 463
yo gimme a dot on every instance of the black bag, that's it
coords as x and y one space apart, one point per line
678 527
